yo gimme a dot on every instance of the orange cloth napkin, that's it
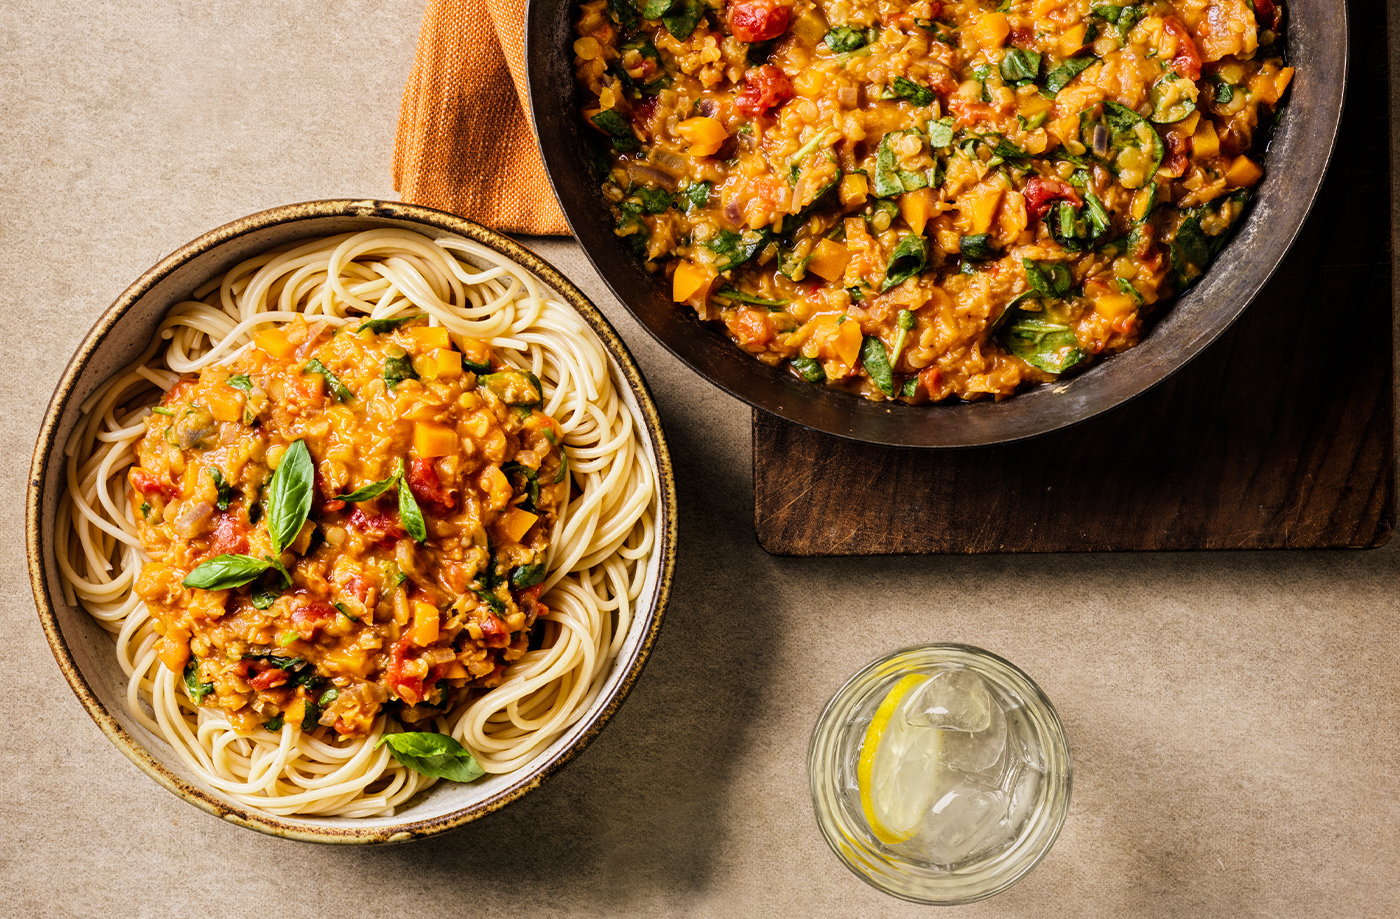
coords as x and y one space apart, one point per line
464 141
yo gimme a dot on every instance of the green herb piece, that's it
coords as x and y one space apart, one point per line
1171 99
289 495
264 598
432 754
240 381
341 608
738 296
337 388
274 723
916 93
697 195
162 410
1020 66
1049 279
531 483
514 387
1061 76
655 9
876 362
1127 287
623 12
1224 92
1124 17
845 39
735 248
1112 132
654 200
197 690
145 509
889 179
906 322
411 514
809 369
225 572
224 492
327 697
682 18
368 492
910 256
619 129
527 575
1048 346
398 369
380 326
977 246
910 389
488 593
814 143
940 133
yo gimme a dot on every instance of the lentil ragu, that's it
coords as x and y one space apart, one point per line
344 520
928 200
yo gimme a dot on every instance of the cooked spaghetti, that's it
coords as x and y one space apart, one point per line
370 487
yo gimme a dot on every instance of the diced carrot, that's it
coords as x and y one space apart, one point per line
991 30
1072 40
274 342
1205 143
425 623
705 135
829 260
854 189
225 404
1243 172
515 523
431 337
916 207
430 439
448 363
688 280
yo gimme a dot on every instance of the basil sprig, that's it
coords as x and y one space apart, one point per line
225 572
410 513
289 495
433 754
370 491
876 361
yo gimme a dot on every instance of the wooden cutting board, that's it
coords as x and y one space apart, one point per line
1280 435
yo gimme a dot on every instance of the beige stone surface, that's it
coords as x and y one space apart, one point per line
1233 717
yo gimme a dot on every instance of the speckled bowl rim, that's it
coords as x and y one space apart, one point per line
48 448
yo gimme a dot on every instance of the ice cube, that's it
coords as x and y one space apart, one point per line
1022 741
1022 800
978 753
956 700
964 822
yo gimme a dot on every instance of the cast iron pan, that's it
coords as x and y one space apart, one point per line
1297 157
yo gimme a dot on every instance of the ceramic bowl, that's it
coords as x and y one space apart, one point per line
85 652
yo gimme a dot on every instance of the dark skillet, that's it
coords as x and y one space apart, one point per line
1296 159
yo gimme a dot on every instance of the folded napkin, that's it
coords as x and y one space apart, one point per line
464 142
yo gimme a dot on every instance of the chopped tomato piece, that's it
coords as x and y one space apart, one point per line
423 481
148 484
1187 61
758 20
408 688
310 616
1040 192
765 88
1268 14
377 528
230 536
1177 147
494 632
750 327
269 679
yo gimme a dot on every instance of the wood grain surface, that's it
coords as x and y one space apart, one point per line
1280 435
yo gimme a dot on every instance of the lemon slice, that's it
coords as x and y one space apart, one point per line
895 773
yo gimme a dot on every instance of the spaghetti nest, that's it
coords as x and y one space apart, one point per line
364 486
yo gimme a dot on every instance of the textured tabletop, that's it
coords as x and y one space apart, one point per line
1232 716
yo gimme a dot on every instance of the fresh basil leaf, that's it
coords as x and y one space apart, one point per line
683 17
262 599
338 389
1061 76
916 93
1048 346
432 754
240 381
654 200
289 496
225 572
736 248
368 492
623 12
809 369
411 514
1224 92
909 258
697 195
738 296
845 39
398 369
1049 279
380 326
655 9
224 491
611 123
311 717
1020 66
876 362
197 690
977 246
527 575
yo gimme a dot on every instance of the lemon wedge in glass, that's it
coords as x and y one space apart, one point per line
897 767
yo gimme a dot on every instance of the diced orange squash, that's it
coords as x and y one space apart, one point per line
431 337
1243 172
991 30
1188 124
453 670
431 439
1205 143
225 404
174 649
689 280
350 661
1043 8
705 135
848 341
515 523
447 363
980 208
425 623
274 342
1110 302
1072 40
1285 76
1032 104
854 189
474 350
829 260
809 83
916 207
